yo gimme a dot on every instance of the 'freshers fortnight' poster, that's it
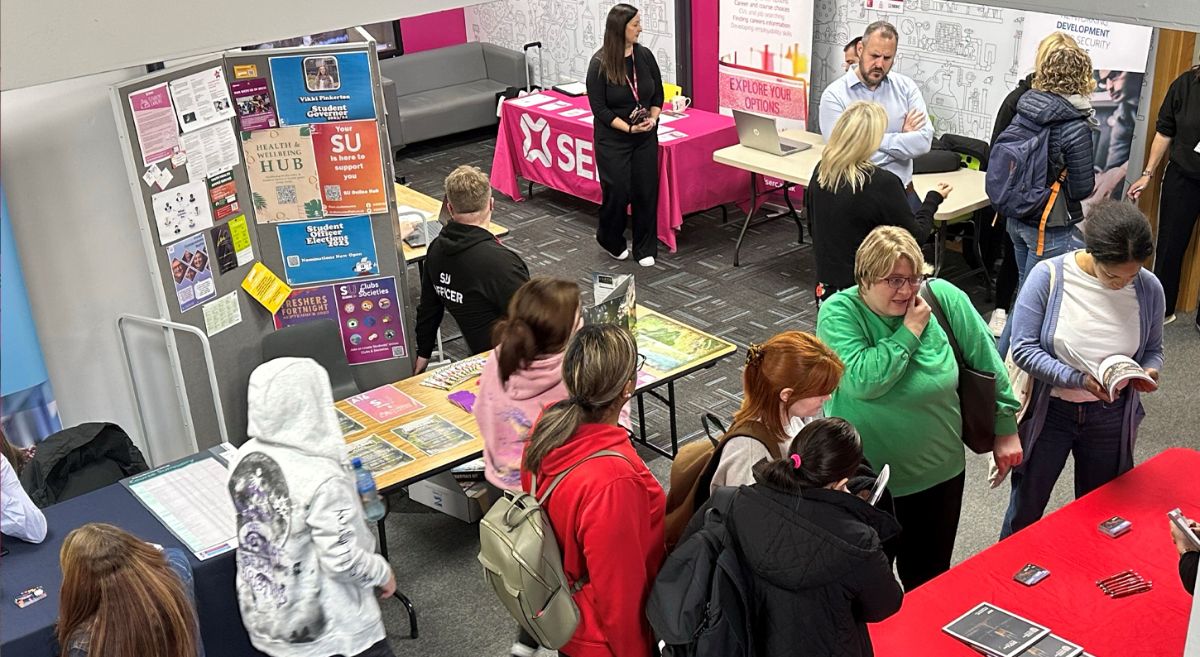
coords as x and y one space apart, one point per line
367 313
327 250
322 88
349 167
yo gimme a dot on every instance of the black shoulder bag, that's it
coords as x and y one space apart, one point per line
976 389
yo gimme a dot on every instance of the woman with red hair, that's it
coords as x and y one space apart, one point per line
784 384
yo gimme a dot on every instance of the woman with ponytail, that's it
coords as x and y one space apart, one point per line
607 514
813 550
523 375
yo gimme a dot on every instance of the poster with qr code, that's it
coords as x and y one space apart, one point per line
327 249
282 173
349 167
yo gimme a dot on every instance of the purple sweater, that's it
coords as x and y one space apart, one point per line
1035 319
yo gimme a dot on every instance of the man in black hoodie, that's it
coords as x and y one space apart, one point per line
467 270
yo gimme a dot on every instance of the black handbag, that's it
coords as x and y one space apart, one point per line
976 389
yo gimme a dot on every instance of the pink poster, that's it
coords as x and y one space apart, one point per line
154 121
385 403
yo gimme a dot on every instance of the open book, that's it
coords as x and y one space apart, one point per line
1114 371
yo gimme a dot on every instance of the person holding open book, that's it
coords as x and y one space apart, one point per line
1088 327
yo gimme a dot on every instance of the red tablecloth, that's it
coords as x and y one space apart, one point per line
1067 543
541 144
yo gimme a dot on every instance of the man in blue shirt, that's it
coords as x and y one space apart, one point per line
908 134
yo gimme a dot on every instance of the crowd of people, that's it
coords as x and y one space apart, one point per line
819 414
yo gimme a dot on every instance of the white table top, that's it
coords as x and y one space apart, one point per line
968 194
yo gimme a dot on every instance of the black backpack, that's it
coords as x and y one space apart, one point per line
700 603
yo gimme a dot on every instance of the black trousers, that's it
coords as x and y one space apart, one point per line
929 520
1179 205
628 168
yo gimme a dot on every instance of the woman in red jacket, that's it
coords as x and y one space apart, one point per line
608 513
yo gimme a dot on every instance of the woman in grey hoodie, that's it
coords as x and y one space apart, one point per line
307 571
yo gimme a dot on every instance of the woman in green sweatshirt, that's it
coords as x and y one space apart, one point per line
900 391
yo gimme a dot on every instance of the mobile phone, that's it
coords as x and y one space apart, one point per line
1031 574
1179 521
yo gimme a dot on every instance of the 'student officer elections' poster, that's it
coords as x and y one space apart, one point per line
765 51
321 88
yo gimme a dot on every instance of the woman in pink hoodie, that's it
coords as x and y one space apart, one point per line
522 377
524 373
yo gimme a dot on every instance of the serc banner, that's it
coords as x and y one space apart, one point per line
765 50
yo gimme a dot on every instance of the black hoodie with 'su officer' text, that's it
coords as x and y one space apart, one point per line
470 273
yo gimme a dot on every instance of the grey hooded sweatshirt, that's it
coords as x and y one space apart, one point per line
306 562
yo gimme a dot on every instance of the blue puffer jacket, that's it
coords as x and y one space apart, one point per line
1070 143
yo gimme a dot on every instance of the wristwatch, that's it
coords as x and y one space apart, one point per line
1149 173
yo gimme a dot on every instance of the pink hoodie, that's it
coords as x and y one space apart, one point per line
506 412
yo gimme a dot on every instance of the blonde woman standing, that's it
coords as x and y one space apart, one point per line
851 196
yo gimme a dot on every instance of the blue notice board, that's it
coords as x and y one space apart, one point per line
328 249
322 88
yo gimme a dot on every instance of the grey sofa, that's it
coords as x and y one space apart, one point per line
448 90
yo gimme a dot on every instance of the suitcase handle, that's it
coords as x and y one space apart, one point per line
532 44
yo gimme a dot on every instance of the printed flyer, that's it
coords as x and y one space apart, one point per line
321 88
154 122
327 250
201 99
231 244
181 211
282 174
349 167
385 403
307 304
764 58
254 107
222 191
210 150
265 287
192 271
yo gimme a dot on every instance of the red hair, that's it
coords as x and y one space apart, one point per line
792 359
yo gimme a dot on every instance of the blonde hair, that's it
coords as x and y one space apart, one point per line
878 253
855 138
1066 69
1050 43
468 189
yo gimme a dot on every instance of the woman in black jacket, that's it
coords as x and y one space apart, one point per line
625 90
813 550
849 197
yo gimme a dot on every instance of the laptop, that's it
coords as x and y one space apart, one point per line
759 132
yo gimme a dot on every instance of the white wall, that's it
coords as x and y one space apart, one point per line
48 40
570 32
84 264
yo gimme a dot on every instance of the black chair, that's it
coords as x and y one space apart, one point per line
321 341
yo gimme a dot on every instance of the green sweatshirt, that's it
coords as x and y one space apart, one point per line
901 391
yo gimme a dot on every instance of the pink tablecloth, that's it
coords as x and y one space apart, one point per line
540 143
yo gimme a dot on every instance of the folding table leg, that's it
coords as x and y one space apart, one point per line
939 248
671 410
787 187
737 250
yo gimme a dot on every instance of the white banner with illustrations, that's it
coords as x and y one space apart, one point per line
765 49
1119 53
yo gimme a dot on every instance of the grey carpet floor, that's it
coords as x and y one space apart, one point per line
434 554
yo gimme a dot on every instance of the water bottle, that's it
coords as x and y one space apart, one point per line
373 507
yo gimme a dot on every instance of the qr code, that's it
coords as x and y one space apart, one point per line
333 192
285 194
397 352
293 261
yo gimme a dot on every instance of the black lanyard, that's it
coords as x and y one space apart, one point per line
634 83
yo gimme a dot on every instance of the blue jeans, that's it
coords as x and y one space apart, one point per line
1092 432
1024 239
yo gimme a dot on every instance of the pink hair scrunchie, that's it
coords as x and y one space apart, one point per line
796 461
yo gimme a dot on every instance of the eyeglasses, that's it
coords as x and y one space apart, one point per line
641 362
897 282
